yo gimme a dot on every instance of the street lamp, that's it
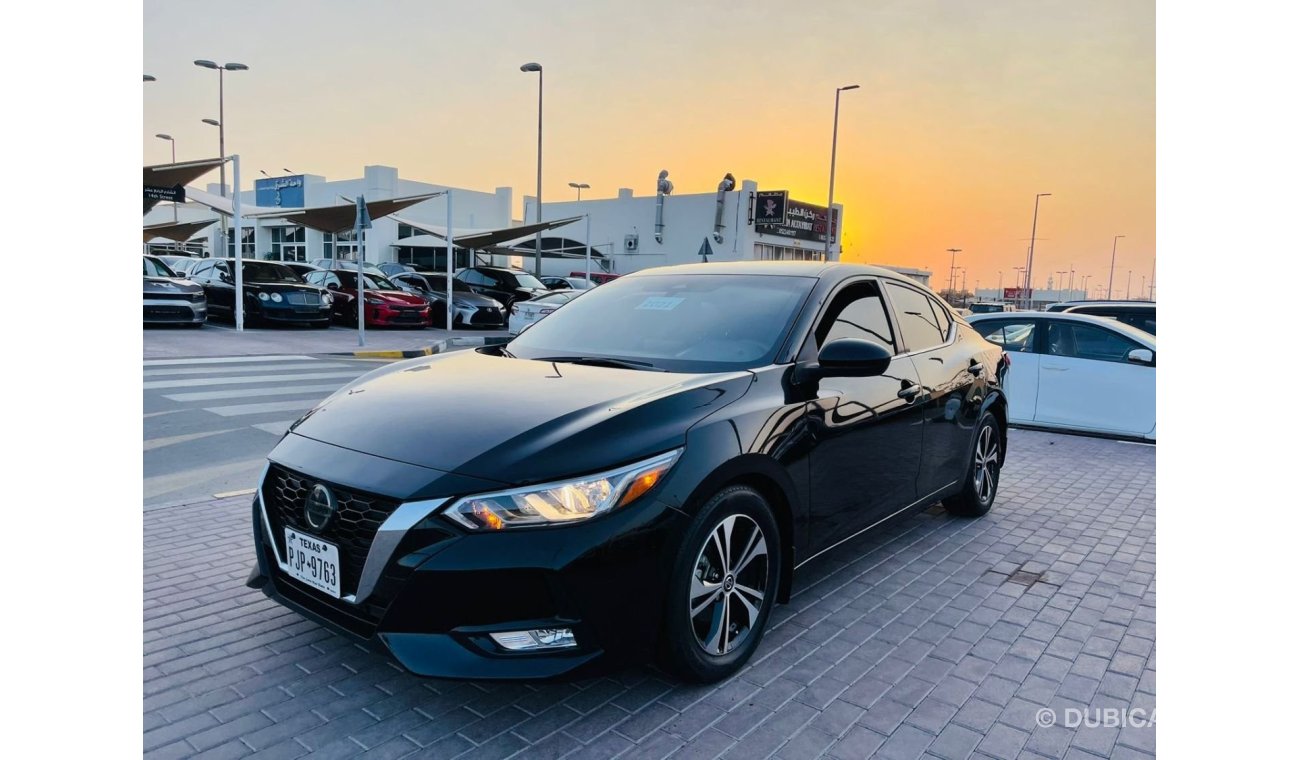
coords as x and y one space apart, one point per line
999 283
952 270
1128 287
537 244
1029 262
1113 245
580 186
830 195
220 124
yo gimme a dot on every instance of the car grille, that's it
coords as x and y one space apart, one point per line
303 299
189 297
352 528
486 315
168 312
407 314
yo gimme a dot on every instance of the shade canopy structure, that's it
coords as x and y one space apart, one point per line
176 231
340 218
226 206
175 175
480 239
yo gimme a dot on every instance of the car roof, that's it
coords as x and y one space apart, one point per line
778 268
1072 304
1141 336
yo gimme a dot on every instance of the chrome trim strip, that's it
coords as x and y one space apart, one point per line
389 535
874 524
386 539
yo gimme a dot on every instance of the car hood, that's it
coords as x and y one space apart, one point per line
516 421
170 285
396 296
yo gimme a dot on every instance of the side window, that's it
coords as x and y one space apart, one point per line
858 311
941 318
916 320
1087 342
201 271
314 278
474 277
1012 335
332 279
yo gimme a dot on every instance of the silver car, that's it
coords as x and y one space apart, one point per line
171 300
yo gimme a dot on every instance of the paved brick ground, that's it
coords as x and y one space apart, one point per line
915 641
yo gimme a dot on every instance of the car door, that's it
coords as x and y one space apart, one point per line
1086 381
947 367
866 430
1018 337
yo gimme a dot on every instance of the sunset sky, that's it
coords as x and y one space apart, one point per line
966 109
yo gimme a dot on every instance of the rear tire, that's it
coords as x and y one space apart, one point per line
980 486
726 573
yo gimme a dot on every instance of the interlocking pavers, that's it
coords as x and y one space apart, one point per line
910 641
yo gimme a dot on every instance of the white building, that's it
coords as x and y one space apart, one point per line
628 232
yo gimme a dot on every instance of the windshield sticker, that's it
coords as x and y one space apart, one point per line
660 303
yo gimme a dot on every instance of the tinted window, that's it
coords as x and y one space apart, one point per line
916 320
1012 335
1087 342
684 323
261 271
526 280
941 318
314 278
155 268
986 308
857 312
474 277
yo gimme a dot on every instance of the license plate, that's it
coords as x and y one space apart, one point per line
312 561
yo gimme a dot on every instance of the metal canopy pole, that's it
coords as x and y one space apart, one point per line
359 233
238 260
589 250
451 253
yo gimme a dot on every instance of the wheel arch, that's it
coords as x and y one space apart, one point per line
776 487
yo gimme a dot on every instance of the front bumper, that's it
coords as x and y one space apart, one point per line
388 316
291 314
440 590
175 311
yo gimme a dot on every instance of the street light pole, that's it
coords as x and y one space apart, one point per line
1111 281
830 195
952 270
1029 262
537 243
580 186
1128 287
221 131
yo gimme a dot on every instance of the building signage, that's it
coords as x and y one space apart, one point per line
769 207
804 221
1015 294
175 193
286 192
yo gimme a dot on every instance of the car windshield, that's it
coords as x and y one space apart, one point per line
155 268
262 271
679 323
986 308
373 281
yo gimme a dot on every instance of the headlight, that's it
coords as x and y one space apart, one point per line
277 297
263 297
374 301
564 501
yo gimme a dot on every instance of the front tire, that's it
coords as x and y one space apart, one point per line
723 587
980 487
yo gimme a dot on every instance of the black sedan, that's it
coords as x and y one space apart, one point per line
170 299
273 293
469 309
642 472
503 285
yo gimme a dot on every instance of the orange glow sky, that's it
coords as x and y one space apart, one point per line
966 109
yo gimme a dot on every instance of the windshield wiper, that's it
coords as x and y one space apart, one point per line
602 361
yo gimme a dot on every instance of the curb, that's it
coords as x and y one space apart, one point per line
436 348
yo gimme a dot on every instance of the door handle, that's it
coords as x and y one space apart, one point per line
909 392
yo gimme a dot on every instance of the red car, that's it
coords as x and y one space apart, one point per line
386 304
600 278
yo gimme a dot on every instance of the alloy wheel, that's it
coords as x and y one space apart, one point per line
986 464
730 584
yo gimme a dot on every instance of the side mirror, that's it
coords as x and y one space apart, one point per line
1142 356
848 357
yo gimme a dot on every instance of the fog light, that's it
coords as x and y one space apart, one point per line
541 638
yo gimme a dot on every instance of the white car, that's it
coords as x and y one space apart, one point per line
524 314
1076 372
